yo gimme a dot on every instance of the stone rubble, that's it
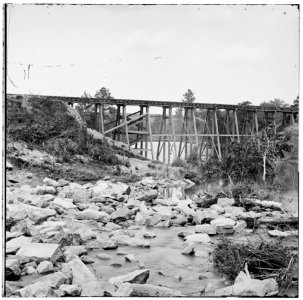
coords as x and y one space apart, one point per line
52 229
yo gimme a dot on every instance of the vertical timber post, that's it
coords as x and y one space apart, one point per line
96 117
150 133
126 127
236 124
145 129
171 121
101 118
274 122
141 129
195 128
186 122
164 137
257 129
159 140
217 134
292 118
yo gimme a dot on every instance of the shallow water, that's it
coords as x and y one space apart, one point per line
165 254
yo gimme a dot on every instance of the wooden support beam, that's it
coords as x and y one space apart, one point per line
122 125
218 135
292 119
195 128
141 129
212 131
101 118
274 122
164 138
236 124
203 131
186 124
171 121
126 127
96 117
257 129
150 132
159 141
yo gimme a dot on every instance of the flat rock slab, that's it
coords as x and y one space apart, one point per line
90 214
226 201
278 233
146 290
14 244
198 238
206 228
223 223
40 252
148 196
139 276
63 203
38 290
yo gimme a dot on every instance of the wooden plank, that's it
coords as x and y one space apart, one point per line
159 141
101 121
195 128
218 136
96 117
173 129
126 128
122 125
150 133
164 138
236 125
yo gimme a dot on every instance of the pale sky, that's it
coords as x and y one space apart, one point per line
223 53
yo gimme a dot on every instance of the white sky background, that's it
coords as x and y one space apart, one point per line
224 53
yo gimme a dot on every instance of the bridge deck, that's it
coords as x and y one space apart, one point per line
132 102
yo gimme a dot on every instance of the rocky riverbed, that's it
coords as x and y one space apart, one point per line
109 238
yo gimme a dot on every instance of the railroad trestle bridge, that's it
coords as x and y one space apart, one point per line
208 139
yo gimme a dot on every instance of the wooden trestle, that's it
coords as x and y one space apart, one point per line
206 140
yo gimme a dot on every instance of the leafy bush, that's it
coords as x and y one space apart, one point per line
193 158
192 175
244 161
178 162
36 120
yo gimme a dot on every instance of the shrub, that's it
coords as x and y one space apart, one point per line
193 158
192 175
263 259
178 162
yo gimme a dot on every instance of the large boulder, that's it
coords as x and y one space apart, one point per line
139 276
40 252
148 196
44 267
145 290
206 228
250 288
198 238
224 225
109 189
64 203
38 290
97 289
73 290
15 244
89 214
81 274
121 214
226 202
